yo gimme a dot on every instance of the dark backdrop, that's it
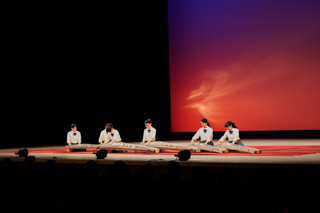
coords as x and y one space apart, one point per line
88 64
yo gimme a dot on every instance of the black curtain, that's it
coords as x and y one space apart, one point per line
89 64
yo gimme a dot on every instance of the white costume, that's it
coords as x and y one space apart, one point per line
74 137
148 134
205 134
107 137
102 136
232 135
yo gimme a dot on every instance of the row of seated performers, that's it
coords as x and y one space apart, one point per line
205 133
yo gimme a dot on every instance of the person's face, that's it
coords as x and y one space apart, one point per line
229 127
203 124
74 129
148 125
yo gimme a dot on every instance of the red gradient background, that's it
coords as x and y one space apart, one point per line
256 63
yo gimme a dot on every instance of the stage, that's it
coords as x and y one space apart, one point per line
261 179
276 153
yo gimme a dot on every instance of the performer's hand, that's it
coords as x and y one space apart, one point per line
206 143
147 144
218 143
69 144
142 142
191 142
233 142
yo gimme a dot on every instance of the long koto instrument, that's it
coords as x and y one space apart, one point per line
127 146
172 146
210 148
114 146
82 146
239 148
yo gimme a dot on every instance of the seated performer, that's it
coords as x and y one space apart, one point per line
112 135
102 135
74 136
149 133
205 133
232 134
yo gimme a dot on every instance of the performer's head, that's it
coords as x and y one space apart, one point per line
229 125
109 127
204 123
73 127
148 123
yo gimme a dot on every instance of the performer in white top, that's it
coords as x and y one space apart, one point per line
112 135
103 135
232 134
205 133
74 136
149 134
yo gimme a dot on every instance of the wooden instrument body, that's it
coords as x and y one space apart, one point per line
127 146
239 148
82 146
114 146
155 146
210 148
172 146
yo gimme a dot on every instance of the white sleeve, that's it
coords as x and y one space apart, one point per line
144 138
154 134
68 138
236 135
101 138
79 140
224 137
210 135
197 135
116 136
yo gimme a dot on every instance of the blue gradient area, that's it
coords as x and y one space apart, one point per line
266 45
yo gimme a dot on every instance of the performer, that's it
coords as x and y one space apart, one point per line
74 136
102 135
205 133
232 134
112 135
149 134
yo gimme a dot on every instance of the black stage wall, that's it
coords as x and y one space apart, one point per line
89 64
85 63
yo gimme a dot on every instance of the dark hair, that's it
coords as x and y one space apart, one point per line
229 123
148 169
148 121
73 125
30 161
109 127
7 163
50 165
120 165
91 164
173 167
204 120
